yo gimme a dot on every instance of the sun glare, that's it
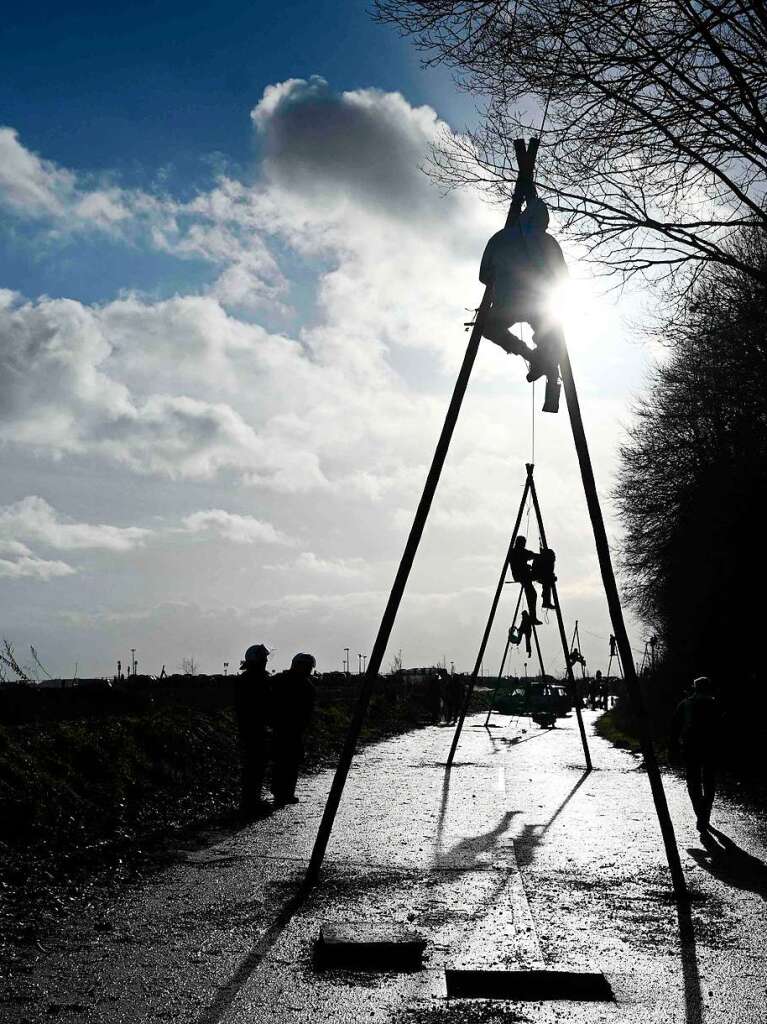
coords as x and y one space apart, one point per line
581 313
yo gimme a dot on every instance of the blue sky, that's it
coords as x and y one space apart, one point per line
159 95
231 311
163 87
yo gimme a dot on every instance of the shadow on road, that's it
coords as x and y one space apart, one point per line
731 864
693 1000
228 992
501 743
531 835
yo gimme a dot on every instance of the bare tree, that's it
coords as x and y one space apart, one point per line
396 663
654 145
9 660
189 666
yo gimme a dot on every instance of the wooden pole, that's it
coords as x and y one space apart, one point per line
619 627
488 627
395 597
538 651
560 623
503 659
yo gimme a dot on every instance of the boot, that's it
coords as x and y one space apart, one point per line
537 365
553 387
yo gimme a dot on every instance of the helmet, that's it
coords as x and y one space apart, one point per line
303 660
256 653
703 684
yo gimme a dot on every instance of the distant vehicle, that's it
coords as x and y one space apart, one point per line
544 702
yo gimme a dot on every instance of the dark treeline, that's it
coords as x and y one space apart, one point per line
692 484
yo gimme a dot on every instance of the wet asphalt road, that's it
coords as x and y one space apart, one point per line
516 859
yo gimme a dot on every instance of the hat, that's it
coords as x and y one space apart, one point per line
256 653
303 659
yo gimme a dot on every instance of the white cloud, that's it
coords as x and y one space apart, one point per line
237 528
342 568
34 519
29 184
33 187
17 562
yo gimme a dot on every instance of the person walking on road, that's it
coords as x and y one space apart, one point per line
434 696
251 706
454 702
293 698
695 727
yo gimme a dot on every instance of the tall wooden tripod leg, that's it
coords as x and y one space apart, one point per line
398 588
488 627
560 624
503 660
538 652
619 628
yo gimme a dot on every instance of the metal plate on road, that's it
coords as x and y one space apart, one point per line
528 985
369 945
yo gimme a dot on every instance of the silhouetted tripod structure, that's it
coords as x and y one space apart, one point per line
524 190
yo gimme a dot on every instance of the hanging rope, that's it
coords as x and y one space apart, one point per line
532 427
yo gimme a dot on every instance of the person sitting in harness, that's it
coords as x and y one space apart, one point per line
522 631
542 571
522 263
576 658
522 573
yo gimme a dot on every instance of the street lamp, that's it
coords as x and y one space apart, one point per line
364 661
359 664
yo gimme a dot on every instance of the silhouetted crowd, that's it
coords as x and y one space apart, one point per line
444 697
273 712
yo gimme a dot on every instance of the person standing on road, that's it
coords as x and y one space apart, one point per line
251 704
293 698
434 696
695 726
454 702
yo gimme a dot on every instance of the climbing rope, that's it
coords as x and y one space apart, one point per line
532 428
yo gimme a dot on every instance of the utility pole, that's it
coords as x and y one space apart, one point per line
359 664
133 660
226 668
364 660
346 661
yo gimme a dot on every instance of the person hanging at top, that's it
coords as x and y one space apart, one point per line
522 263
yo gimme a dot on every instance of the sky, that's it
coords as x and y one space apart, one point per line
231 317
